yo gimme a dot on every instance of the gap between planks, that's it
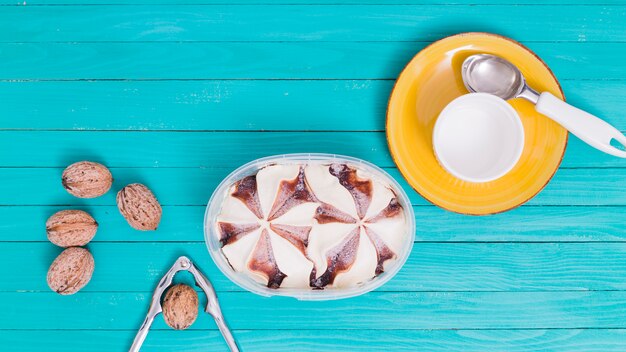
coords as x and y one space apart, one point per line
337 329
451 4
296 79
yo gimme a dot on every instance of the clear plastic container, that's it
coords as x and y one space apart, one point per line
246 282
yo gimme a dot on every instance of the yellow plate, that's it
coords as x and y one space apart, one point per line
427 84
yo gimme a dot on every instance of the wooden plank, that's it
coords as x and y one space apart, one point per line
320 105
420 310
524 224
156 149
306 23
171 186
179 224
197 105
194 186
305 2
578 340
213 60
184 224
267 60
440 267
206 149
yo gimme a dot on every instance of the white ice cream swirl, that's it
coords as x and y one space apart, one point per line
311 226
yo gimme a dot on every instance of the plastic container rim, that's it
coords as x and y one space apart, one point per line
247 283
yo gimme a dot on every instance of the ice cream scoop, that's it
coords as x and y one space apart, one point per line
484 73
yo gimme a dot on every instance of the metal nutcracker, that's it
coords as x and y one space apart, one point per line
212 307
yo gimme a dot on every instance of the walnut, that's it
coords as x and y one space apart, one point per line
86 179
180 306
70 271
71 228
139 207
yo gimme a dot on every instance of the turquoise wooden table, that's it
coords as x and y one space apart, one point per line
177 96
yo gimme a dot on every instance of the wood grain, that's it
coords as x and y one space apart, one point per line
305 2
184 224
267 60
379 310
341 105
579 340
319 105
194 186
307 23
440 267
202 149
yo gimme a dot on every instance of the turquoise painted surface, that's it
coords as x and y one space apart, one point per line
176 96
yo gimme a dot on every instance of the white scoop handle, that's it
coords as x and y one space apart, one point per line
592 130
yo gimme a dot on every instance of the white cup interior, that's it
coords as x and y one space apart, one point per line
478 137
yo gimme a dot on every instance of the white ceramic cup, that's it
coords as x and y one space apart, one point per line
478 137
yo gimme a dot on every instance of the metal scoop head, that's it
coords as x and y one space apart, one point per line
484 73
491 74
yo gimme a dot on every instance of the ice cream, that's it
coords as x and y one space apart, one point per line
313 225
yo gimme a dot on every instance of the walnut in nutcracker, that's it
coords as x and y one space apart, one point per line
71 271
139 207
180 306
71 228
86 179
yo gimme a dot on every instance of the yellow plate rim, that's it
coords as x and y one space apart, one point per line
387 133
